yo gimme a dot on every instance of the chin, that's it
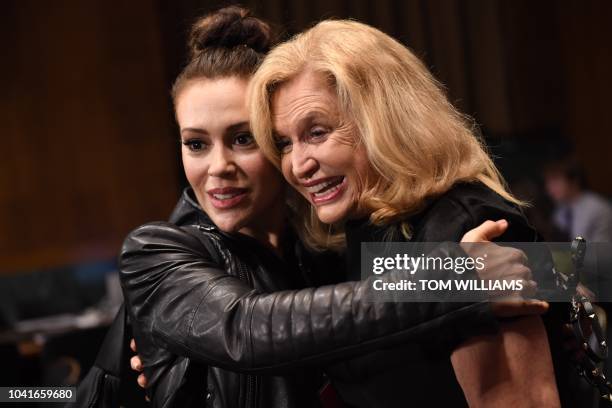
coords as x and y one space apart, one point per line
331 215
227 224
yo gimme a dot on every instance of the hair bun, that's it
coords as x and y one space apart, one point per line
230 27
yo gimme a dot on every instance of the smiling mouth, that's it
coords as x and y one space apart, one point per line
228 197
327 190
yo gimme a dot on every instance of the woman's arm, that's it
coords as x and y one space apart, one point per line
512 368
195 309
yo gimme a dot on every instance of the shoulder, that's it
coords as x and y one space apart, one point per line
595 203
154 243
156 236
466 206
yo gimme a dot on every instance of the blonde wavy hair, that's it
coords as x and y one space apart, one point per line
416 141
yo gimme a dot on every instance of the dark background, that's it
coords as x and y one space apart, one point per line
89 148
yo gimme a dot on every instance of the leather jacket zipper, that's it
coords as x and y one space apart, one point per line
251 392
251 380
243 273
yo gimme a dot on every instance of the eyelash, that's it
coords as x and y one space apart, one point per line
318 129
192 143
316 132
247 135
197 145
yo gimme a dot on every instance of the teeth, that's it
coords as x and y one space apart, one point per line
326 192
225 196
317 188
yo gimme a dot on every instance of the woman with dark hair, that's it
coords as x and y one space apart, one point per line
218 297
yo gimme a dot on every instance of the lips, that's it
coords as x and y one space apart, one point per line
226 197
326 189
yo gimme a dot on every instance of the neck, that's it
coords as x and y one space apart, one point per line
269 238
269 230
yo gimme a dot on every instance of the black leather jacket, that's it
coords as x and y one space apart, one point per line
197 296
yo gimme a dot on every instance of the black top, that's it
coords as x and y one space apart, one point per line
419 374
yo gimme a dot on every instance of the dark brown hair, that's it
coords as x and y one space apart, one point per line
228 42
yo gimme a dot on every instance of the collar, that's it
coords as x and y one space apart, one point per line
189 212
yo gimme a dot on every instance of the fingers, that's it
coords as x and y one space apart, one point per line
518 256
528 291
142 381
514 308
486 231
136 363
520 271
511 264
530 288
586 292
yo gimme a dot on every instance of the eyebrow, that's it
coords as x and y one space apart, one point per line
314 116
309 116
236 126
194 130
230 128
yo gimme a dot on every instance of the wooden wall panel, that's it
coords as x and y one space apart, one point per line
413 27
91 150
532 55
488 74
586 43
448 43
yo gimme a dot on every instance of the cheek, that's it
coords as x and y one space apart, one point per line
362 164
348 160
194 169
360 171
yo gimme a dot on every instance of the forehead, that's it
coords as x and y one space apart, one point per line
212 100
304 95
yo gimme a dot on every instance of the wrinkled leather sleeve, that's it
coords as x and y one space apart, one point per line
194 308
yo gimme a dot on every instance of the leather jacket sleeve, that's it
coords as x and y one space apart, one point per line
194 308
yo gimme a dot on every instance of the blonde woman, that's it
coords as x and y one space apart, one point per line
366 136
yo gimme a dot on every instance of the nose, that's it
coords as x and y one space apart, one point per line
221 162
303 165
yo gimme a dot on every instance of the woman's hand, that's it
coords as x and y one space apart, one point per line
136 365
503 263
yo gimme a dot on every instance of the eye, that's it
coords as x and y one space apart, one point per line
317 132
195 145
244 139
283 145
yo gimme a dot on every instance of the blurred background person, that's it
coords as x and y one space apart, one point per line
579 211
